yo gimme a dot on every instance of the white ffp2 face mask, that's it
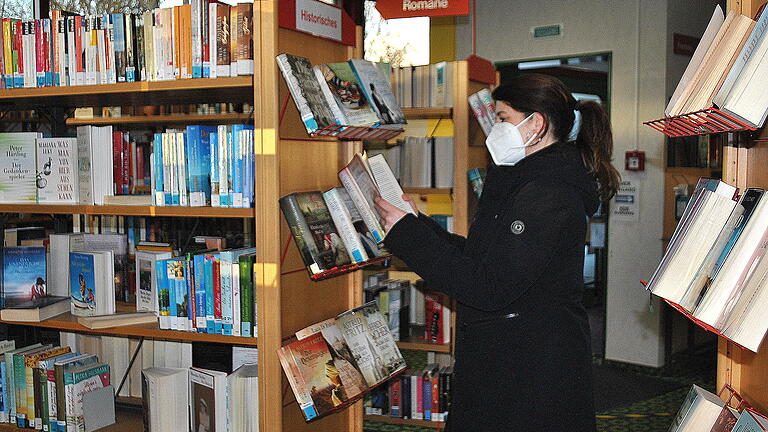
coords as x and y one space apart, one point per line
505 143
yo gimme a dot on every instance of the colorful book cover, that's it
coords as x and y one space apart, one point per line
346 91
316 368
376 88
198 263
24 272
163 294
57 175
119 44
82 283
306 92
199 161
217 328
247 295
18 183
208 268
81 382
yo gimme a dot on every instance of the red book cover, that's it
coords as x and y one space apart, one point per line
39 53
217 291
436 397
420 397
79 55
434 317
117 162
134 173
206 31
126 163
394 399
48 49
56 22
19 45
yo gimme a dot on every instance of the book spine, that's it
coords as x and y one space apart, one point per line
226 297
427 389
233 40
236 312
149 46
20 381
199 263
92 73
118 23
212 39
214 169
436 399
223 35
217 297
205 34
245 39
130 49
197 42
50 422
209 294
157 170
190 293
37 26
141 62
175 37
224 136
419 398
117 163
163 294
247 300
194 159
181 160
20 59
102 49
236 167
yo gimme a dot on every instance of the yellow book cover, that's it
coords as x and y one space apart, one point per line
176 42
233 26
185 21
31 362
7 41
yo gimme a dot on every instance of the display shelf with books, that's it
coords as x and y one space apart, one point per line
704 122
419 344
129 210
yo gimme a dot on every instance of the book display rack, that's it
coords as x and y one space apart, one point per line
708 121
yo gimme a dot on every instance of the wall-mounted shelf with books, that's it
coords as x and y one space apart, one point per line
338 271
68 322
162 119
704 122
419 344
136 93
129 210
401 421
427 113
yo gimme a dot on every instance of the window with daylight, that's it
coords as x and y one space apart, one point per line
399 42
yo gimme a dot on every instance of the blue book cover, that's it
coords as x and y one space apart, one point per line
235 167
209 313
226 195
119 44
177 290
199 161
199 264
163 293
4 392
213 140
158 194
82 283
189 291
427 402
24 272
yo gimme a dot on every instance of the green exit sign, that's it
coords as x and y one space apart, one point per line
547 31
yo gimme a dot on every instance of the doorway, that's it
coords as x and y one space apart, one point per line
587 76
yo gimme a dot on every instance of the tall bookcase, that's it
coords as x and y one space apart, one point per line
743 166
287 160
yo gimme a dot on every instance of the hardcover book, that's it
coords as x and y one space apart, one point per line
57 174
306 92
18 183
377 90
24 273
340 80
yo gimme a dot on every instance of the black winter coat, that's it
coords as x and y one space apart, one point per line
523 356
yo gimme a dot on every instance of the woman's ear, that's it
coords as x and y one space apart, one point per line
538 124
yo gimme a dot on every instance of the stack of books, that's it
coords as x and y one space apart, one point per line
727 70
714 269
200 39
417 394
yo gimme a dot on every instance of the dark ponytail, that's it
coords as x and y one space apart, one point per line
548 96
595 142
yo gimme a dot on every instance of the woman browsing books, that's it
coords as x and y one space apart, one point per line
523 355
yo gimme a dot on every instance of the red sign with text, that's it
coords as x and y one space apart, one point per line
415 8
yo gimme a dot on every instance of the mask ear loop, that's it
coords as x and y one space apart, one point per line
529 143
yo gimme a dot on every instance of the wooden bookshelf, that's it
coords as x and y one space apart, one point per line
128 210
401 421
428 113
68 322
162 119
419 344
230 89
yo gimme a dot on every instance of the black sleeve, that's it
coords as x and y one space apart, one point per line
454 239
514 261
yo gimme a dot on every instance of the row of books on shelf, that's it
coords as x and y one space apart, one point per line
411 309
417 394
420 162
352 93
196 166
334 362
426 86
703 410
53 388
727 70
715 267
200 39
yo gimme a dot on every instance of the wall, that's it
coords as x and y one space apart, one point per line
635 32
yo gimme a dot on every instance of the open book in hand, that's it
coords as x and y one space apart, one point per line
366 179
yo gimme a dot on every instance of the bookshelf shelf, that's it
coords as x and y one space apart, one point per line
419 344
401 421
127 418
67 322
704 122
136 93
162 119
128 210
427 113
427 191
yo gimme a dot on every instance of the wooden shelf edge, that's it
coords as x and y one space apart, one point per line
129 210
134 87
160 119
67 322
427 113
402 421
427 191
419 345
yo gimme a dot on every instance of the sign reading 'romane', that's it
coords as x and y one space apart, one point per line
412 8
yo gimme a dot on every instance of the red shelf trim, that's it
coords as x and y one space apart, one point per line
704 122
